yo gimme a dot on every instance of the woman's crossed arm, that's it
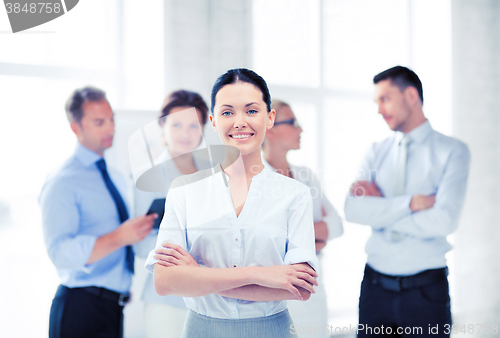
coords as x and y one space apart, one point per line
177 273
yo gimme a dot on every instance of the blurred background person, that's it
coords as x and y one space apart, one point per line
280 139
410 190
86 227
182 133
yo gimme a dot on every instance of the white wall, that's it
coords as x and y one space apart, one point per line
476 120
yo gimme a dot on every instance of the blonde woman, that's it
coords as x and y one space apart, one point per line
312 316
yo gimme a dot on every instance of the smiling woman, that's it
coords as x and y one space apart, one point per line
235 252
239 122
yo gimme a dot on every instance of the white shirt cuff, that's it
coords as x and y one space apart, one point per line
151 261
301 255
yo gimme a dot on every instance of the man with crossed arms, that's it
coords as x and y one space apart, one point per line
86 228
412 193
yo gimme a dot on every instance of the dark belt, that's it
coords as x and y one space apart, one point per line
115 297
399 283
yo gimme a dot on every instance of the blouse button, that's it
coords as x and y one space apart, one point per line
233 311
236 239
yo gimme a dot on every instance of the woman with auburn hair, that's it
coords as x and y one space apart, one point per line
181 134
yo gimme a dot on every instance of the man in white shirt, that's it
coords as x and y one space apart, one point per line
411 190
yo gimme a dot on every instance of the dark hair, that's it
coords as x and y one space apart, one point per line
184 98
402 78
243 75
74 104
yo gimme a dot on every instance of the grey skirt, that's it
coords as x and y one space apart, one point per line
274 326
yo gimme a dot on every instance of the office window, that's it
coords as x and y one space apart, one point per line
87 41
361 39
286 41
143 57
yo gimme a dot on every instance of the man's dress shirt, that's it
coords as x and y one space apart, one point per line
77 209
436 164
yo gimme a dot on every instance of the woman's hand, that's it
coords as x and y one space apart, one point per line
363 188
289 277
174 255
320 234
319 245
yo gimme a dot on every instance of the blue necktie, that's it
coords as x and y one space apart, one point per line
120 206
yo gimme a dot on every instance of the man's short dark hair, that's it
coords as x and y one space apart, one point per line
74 105
402 78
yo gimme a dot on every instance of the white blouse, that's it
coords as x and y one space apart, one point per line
323 210
275 227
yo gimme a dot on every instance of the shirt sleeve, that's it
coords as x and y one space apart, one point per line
442 219
300 241
173 225
66 248
331 217
378 212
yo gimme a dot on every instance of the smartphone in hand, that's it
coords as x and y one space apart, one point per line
157 207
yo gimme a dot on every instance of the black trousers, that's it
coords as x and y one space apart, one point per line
76 313
414 312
